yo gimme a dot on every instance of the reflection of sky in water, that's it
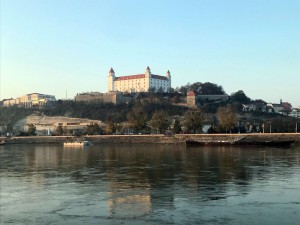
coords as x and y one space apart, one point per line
149 185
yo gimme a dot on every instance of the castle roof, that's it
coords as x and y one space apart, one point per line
159 77
111 70
140 76
130 77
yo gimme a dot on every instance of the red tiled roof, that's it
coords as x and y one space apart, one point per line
130 77
159 77
191 93
139 76
286 105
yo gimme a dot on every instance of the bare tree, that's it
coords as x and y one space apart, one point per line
227 117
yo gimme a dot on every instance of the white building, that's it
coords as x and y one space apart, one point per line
47 124
139 82
29 100
295 112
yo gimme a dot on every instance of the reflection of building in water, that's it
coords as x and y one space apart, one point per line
38 159
130 205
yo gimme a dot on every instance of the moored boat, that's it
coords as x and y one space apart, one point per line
77 144
221 143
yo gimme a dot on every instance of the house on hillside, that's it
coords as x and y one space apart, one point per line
295 112
257 105
284 108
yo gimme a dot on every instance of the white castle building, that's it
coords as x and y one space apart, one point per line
139 82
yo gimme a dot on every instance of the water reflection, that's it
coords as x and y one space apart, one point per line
153 184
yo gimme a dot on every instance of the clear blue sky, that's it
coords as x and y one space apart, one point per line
50 46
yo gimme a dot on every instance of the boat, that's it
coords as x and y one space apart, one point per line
273 143
77 144
199 143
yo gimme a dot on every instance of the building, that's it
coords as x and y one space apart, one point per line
110 97
295 112
284 108
193 99
30 100
139 82
47 124
257 105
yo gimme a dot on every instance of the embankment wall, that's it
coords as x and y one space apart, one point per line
152 139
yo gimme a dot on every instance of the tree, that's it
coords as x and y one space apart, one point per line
31 129
92 128
240 97
175 99
193 120
227 117
207 88
137 118
59 129
160 121
110 128
65 130
177 127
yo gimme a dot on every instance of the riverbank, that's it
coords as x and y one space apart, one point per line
177 139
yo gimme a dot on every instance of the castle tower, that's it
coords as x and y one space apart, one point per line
147 78
111 80
169 79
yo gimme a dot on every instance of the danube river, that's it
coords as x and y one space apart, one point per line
152 184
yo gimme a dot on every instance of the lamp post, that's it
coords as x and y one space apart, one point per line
296 130
270 127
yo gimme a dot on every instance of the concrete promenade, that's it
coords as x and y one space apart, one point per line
154 139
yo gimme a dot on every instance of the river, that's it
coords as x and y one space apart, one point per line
152 184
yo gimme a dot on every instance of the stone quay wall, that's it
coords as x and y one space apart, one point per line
177 139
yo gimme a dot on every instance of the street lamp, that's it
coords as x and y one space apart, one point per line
270 127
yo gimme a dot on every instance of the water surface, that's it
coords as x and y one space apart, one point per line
149 185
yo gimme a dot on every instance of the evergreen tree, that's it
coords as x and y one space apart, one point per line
59 130
31 129
193 120
160 121
177 127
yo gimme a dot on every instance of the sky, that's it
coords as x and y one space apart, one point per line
65 47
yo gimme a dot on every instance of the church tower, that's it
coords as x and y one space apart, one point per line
111 80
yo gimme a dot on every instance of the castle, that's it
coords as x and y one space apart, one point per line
139 82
